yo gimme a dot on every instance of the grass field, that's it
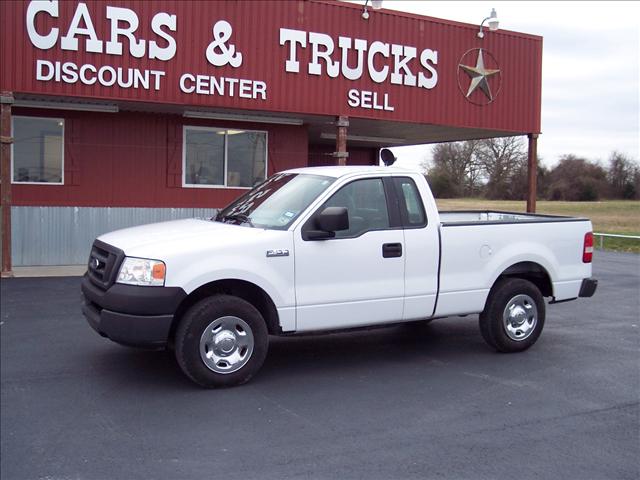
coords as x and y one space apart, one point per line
616 216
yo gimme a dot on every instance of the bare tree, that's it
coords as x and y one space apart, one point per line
575 178
455 171
425 164
498 168
623 175
504 162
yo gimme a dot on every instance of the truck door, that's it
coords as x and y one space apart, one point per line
422 251
356 278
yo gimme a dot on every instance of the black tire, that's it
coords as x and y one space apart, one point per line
492 324
193 325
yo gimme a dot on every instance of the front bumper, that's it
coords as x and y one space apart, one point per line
131 315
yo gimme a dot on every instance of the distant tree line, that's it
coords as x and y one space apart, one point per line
496 168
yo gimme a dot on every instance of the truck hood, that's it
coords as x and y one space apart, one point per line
149 240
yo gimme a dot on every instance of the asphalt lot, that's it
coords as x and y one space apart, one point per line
402 402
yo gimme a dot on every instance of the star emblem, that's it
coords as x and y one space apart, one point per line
479 76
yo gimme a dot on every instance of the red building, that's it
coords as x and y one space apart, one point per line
115 113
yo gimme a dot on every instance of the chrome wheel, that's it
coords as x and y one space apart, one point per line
226 344
520 317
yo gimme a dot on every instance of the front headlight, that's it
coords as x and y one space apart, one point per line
142 271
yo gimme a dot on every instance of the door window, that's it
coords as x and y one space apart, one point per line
366 204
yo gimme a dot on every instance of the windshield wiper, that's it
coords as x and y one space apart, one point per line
238 217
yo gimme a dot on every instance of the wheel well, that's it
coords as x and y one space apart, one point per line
238 288
533 272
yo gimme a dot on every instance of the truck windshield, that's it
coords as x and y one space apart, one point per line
275 203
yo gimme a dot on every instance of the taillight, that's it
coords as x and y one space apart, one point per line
587 252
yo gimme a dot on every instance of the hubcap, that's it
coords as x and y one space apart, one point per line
226 344
520 317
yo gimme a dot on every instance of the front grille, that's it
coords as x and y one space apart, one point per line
104 263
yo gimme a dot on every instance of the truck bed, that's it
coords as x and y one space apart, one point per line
495 217
477 244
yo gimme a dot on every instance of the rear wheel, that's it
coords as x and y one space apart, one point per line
514 316
221 341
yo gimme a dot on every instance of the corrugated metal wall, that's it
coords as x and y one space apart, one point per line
133 159
256 34
63 235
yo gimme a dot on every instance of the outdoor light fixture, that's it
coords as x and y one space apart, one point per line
493 23
375 4
242 118
81 107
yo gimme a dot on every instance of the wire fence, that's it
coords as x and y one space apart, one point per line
612 235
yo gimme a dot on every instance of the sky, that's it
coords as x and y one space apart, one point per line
590 71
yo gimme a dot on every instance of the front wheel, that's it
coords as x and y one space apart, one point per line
221 341
513 318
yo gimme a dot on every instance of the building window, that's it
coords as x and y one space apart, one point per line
214 157
38 150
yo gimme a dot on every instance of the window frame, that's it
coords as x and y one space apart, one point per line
17 182
393 213
226 157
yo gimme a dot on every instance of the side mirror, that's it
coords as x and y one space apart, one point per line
330 220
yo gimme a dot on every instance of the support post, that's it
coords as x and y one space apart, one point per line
341 154
532 185
6 100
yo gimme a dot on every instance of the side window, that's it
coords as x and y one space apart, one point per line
411 207
366 203
216 157
38 150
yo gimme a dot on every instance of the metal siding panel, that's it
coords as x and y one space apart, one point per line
63 235
256 27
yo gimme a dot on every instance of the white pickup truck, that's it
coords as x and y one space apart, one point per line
327 248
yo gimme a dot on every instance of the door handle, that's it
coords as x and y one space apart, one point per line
391 250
